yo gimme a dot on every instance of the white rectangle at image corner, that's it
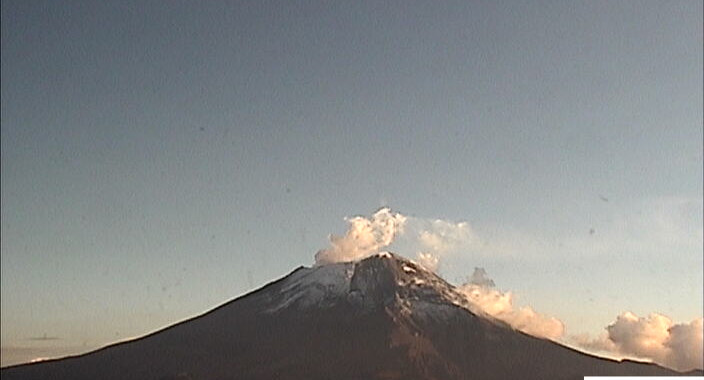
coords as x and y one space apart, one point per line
641 377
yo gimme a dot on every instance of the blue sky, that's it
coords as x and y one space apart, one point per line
159 159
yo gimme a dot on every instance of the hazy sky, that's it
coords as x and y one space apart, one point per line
160 158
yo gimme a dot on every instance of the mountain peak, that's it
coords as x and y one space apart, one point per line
380 281
382 317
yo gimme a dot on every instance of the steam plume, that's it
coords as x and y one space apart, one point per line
436 238
481 291
442 236
363 238
655 337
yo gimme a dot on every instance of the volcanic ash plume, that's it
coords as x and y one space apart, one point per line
656 337
481 291
363 238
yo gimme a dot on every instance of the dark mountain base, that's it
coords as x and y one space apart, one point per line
378 328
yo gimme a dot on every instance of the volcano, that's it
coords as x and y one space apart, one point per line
383 317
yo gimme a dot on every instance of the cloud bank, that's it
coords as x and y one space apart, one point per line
655 337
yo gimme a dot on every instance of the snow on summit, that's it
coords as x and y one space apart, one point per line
378 280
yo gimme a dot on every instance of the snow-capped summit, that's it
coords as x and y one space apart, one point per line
382 317
381 280
376 281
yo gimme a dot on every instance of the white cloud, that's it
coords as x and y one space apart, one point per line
686 343
364 237
482 293
654 337
433 239
442 236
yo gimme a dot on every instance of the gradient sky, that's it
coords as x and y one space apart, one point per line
160 158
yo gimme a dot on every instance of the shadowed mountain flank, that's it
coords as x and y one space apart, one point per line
383 317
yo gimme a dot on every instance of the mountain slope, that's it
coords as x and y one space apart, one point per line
383 317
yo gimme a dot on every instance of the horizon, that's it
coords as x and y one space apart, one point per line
159 159
572 345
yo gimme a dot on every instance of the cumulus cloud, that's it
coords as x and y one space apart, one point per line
655 337
364 237
481 292
686 343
